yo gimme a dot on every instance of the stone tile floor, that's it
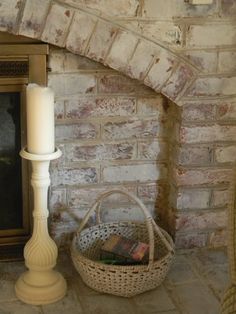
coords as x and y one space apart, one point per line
194 285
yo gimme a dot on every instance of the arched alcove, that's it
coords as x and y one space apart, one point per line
85 33
114 132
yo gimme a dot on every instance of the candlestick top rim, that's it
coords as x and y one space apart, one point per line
40 157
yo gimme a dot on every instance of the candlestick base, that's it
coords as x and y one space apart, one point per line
40 284
50 288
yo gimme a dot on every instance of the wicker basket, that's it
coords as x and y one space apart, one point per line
121 280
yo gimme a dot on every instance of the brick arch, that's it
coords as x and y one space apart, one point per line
90 35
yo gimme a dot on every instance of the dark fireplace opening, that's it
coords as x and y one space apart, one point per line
21 62
15 220
11 213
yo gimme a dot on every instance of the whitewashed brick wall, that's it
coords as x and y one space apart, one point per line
113 133
114 130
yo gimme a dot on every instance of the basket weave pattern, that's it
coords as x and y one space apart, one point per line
228 305
122 280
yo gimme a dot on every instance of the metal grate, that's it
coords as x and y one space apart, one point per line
14 68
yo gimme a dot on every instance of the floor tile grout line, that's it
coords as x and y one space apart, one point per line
202 278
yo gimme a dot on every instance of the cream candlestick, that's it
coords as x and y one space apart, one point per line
40 284
40 119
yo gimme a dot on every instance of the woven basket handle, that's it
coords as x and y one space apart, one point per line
150 223
144 210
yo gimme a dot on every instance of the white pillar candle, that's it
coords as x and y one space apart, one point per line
40 119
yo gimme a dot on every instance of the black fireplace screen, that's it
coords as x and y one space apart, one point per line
11 212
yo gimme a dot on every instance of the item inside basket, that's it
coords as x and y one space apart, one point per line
118 250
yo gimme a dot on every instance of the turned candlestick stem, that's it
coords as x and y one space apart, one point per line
40 284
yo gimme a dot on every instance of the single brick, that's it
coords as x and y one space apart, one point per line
128 212
164 64
34 16
211 35
126 106
227 61
57 83
121 8
213 86
194 155
76 63
162 31
116 151
74 176
56 60
202 176
127 8
193 199
227 110
77 41
87 196
226 154
167 9
192 111
218 238
8 14
153 150
221 197
80 84
190 240
152 106
206 61
72 84
100 106
141 60
81 130
57 24
203 134
133 129
127 173
178 80
153 192
201 220
148 191
121 50
101 40
117 84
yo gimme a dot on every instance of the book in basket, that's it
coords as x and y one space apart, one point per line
120 248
